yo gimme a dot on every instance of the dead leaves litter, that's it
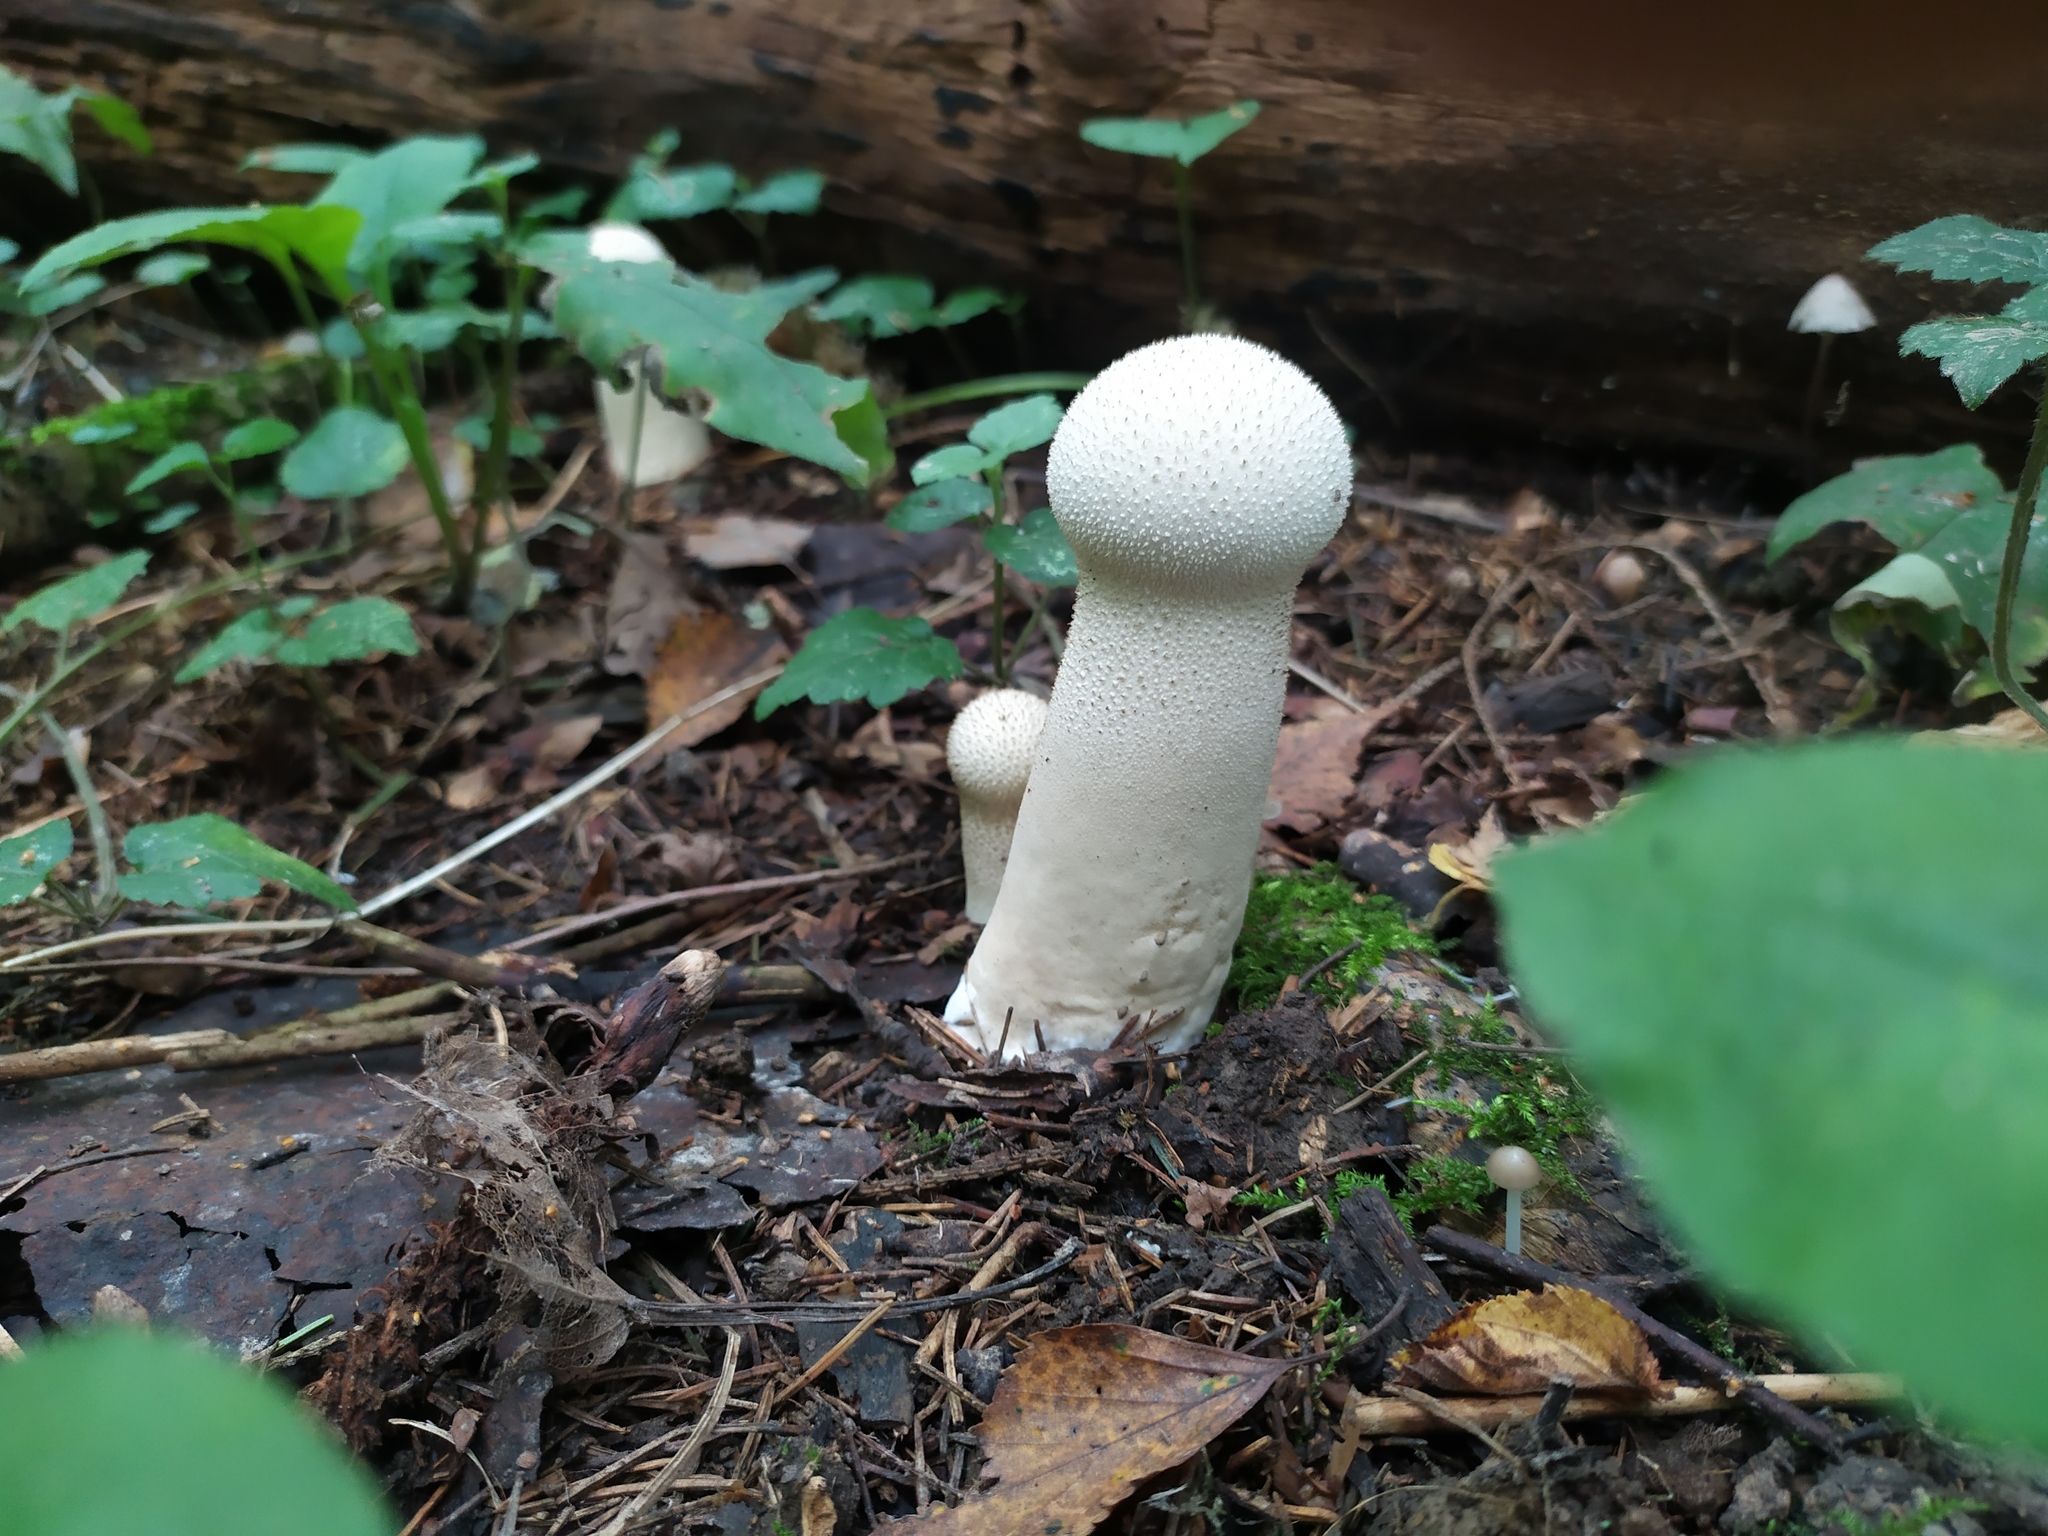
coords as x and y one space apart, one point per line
703 653
1521 1342
1086 1414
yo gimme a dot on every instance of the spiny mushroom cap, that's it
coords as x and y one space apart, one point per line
624 242
1199 463
990 747
1832 306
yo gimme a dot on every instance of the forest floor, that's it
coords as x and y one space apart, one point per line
553 1310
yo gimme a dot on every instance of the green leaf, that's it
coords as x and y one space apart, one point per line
184 1441
254 635
861 427
26 861
171 268
73 290
711 341
650 192
497 172
174 516
882 305
351 452
1964 248
940 505
964 304
476 431
100 432
38 128
1768 965
1035 549
253 439
859 654
304 159
174 460
1017 426
784 192
85 596
1979 353
117 120
348 631
1912 595
1169 138
949 462
318 236
1909 498
413 179
8 249
204 859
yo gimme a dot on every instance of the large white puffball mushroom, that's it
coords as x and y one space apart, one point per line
1195 479
672 442
1831 307
989 753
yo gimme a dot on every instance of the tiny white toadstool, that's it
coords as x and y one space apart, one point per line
1195 479
1621 575
671 442
989 751
1831 307
1513 1169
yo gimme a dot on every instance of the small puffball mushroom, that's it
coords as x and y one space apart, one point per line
1831 307
672 442
1195 479
1513 1169
989 752
1621 576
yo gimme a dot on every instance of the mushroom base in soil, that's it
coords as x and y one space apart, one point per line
1195 479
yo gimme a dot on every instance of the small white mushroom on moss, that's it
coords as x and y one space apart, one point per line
1513 1169
1195 479
672 442
1831 307
989 752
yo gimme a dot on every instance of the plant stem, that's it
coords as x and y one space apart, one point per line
997 516
323 705
494 485
981 389
244 525
104 886
629 477
394 378
2017 536
1185 208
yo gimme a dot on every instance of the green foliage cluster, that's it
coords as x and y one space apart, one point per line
1292 921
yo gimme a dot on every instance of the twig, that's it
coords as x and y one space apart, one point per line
1735 1382
685 1460
1389 1416
1784 719
1468 655
1351 1104
1459 1420
1316 680
104 873
832 1356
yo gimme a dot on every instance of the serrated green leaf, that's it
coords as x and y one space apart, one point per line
785 192
203 859
191 1442
253 439
860 654
169 268
174 460
651 192
1979 353
351 452
1169 138
351 630
940 505
303 159
1964 248
1017 426
26 861
412 179
318 236
710 341
1908 498
38 128
950 462
1035 549
117 120
255 635
1768 964
85 596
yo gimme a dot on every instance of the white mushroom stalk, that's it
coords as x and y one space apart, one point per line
989 752
672 442
1195 479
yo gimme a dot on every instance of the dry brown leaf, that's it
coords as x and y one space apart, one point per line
1086 1414
2007 728
734 542
1314 768
1520 1342
1469 860
473 787
876 743
1205 1200
563 741
643 604
703 653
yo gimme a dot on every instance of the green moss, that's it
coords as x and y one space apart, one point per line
1293 921
1439 1183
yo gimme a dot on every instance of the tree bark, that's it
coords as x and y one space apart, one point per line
1584 221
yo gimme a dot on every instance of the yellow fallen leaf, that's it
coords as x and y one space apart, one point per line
1519 1343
